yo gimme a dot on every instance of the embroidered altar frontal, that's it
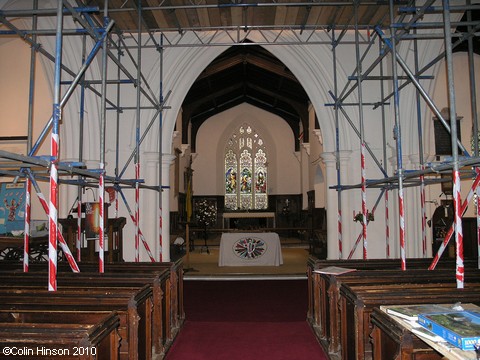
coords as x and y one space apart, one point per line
250 249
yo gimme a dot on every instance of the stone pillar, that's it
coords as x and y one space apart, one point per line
149 208
329 159
167 161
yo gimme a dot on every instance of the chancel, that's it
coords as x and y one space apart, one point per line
179 179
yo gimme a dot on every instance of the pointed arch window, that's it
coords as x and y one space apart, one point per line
246 171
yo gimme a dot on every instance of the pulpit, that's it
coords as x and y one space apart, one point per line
113 239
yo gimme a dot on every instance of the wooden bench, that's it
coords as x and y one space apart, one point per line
391 341
315 288
357 302
67 335
172 290
330 285
156 280
324 288
133 306
317 291
393 338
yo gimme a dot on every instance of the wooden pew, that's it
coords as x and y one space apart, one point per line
357 302
328 312
133 306
315 287
391 341
66 335
393 338
70 281
324 289
172 290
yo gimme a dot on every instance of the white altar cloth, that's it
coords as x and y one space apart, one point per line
250 249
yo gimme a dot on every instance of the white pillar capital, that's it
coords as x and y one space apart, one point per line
167 159
331 157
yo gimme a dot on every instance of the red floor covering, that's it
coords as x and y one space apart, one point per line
246 320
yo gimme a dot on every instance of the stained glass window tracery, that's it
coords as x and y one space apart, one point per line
246 171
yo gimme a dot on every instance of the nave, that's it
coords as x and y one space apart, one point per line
246 320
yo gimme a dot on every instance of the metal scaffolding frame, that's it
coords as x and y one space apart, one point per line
400 31
35 168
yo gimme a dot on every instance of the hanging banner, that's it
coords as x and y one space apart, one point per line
92 220
12 208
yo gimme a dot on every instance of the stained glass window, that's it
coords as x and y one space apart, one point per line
245 170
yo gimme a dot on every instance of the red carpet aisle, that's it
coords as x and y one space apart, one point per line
246 320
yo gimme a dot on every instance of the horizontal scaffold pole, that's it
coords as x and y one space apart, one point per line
430 169
420 89
47 12
72 87
144 135
358 134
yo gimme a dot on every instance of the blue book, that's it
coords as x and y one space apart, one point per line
460 328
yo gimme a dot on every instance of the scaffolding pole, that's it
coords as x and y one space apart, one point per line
420 152
160 157
54 148
53 123
387 183
337 147
362 134
103 121
384 139
473 103
451 231
80 155
457 200
28 184
137 140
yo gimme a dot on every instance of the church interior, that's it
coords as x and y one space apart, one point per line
184 179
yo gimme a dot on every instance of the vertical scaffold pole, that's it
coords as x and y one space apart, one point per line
453 132
387 226
54 148
478 224
160 145
80 155
137 138
360 236
421 158
337 147
450 232
61 240
26 239
132 217
384 137
398 139
362 134
117 131
473 103
103 120
28 184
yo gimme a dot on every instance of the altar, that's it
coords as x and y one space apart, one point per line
250 249
255 219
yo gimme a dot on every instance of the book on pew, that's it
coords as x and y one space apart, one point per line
424 333
410 312
459 328
333 270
